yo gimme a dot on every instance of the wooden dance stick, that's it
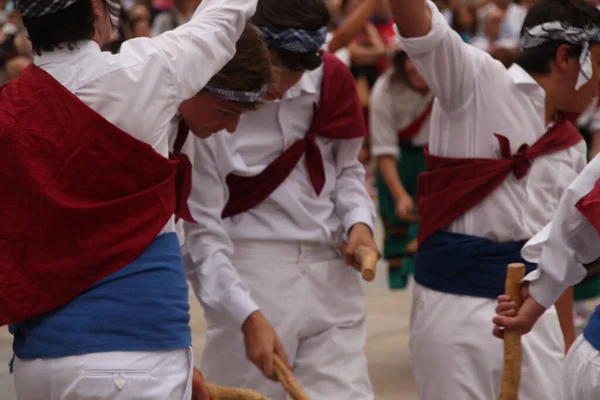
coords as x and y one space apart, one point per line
288 380
511 375
368 260
227 393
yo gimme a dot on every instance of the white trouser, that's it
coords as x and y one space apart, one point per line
581 372
132 375
455 355
317 306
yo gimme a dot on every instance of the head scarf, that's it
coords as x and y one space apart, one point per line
562 31
39 8
294 40
239 96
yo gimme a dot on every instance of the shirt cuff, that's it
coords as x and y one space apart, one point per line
359 215
424 44
377 151
239 306
544 289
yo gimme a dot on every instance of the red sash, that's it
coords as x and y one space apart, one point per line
338 116
80 198
589 206
452 186
408 133
183 185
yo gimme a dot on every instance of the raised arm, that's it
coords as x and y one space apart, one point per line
195 51
412 17
449 66
352 25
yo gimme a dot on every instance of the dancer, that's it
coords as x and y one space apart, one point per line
92 279
289 187
560 249
400 107
500 156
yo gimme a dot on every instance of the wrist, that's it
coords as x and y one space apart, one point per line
251 321
401 195
360 226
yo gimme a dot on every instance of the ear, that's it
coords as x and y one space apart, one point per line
564 58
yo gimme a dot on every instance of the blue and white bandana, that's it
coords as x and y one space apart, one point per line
562 31
239 96
294 40
39 8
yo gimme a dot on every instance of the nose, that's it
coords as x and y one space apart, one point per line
233 124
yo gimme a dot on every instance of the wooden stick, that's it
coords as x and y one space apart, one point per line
511 375
227 393
368 259
288 380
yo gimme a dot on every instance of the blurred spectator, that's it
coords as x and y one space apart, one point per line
15 48
139 18
491 36
179 13
335 10
367 49
513 17
382 20
464 21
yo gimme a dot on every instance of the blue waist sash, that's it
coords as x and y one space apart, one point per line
466 265
592 330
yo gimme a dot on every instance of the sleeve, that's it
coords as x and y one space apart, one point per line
208 250
565 244
352 201
384 135
195 51
448 65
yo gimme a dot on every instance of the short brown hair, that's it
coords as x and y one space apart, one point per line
250 68
295 14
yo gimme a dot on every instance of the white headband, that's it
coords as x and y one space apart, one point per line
562 31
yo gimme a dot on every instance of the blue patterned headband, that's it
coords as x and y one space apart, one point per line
294 40
562 31
239 96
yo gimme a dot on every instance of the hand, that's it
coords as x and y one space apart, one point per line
405 207
360 235
262 342
510 316
199 391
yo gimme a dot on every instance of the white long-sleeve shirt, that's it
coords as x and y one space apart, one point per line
476 96
139 90
394 106
565 244
293 212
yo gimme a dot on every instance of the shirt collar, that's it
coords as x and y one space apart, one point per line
83 48
309 84
526 81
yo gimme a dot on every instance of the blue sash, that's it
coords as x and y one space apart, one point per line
591 333
466 265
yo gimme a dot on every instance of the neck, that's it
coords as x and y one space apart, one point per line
546 82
